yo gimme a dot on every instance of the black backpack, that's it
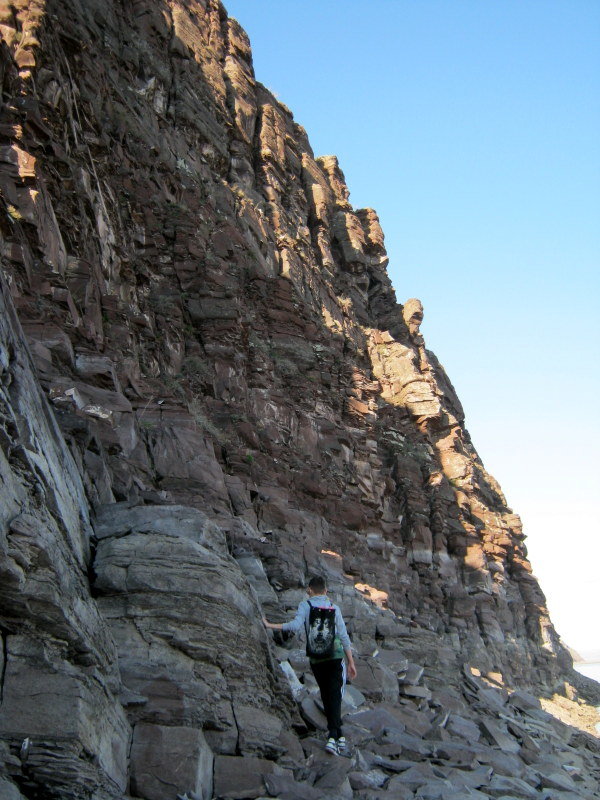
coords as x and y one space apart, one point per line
320 635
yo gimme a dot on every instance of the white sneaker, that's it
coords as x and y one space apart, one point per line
341 744
331 746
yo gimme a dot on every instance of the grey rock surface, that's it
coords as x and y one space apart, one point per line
59 676
187 627
168 760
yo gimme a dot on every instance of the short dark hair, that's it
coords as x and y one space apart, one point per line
317 584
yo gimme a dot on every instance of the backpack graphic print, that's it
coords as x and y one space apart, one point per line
320 636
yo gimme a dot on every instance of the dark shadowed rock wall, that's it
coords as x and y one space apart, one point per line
227 397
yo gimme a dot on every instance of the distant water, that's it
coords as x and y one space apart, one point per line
591 670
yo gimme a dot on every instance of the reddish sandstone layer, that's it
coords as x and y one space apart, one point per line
215 328
214 324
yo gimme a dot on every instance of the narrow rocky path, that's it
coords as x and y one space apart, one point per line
479 742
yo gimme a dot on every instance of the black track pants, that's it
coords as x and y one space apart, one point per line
329 676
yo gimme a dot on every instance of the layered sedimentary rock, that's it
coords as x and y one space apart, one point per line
227 397
59 668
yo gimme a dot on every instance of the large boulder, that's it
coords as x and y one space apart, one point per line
192 649
174 760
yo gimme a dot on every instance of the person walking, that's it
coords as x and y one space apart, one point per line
327 642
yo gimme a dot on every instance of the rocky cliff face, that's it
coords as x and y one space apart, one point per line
227 397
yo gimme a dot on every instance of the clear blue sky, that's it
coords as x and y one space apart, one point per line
473 128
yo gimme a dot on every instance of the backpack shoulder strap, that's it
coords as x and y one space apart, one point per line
331 605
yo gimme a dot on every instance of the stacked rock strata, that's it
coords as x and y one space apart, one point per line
209 391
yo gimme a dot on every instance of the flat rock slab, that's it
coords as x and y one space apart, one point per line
558 780
437 790
372 779
238 777
524 701
498 735
174 759
494 699
465 728
471 778
377 682
409 690
412 674
418 723
400 793
394 660
456 753
414 777
313 714
502 763
462 794
389 764
353 698
259 731
412 747
558 795
504 785
334 782
377 720
293 748
446 700
284 786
